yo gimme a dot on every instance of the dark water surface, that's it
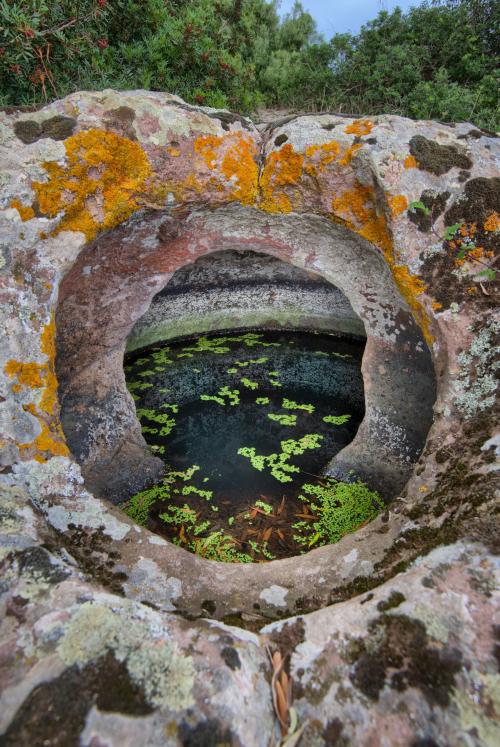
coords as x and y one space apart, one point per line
320 371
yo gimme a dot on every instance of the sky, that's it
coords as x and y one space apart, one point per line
334 16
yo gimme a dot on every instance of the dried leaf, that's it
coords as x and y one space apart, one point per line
281 507
285 685
280 534
267 534
282 707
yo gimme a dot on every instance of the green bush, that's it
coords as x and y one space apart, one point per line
439 60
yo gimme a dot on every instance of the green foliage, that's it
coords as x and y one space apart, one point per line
340 508
439 60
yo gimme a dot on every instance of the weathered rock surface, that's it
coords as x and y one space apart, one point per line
391 633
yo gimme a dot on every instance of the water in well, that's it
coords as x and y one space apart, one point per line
246 424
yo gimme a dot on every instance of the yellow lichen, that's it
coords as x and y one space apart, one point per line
410 162
398 204
50 440
321 155
282 170
492 222
234 157
25 211
358 208
359 127
98 186
27 374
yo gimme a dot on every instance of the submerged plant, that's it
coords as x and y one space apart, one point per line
340 508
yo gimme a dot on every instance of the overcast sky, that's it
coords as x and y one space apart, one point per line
345 15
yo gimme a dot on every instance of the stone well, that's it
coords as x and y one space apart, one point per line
380 227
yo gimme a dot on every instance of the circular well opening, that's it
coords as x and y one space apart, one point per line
247 419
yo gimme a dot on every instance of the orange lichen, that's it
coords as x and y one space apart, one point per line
359 127
282 170
27 374
349 153
492 222
436 306
410 162
97 188
398 204
50 440
25 211
358 208
322 155
234 157
175 152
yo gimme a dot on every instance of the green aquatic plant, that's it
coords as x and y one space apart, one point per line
209 345
266 507
340 508
147 373
138 386
162 419
179 516
336 419
139 505
262 401
289 404
232 370
219 546
192 489
161 358
212 398
278 464
232 395
249 384
283 419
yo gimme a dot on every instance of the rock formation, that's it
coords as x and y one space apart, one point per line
112 636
